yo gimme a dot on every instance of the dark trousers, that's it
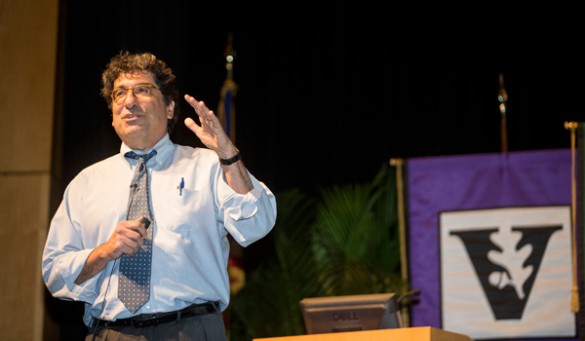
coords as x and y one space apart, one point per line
207 327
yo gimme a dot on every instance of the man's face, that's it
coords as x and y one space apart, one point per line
139 115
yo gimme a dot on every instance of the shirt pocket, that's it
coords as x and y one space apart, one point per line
184 210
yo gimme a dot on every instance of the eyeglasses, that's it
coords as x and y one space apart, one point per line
142 90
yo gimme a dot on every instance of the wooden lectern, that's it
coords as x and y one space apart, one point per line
396 334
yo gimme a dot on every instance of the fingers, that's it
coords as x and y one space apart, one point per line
190 123
209 130
137 230
206 116
128 238
199 106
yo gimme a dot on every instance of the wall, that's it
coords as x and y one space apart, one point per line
28 55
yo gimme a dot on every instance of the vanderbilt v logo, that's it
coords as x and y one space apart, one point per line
505 270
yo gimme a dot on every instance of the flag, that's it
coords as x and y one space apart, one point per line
227 110
227 117
226 107
226 114
490 244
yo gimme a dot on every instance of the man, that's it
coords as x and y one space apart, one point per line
197 196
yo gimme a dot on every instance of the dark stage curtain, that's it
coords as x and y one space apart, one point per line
327 94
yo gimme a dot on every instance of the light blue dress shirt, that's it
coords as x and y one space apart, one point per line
190 229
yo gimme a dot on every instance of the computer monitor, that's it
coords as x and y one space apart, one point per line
350 313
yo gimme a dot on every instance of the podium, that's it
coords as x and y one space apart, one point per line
396 334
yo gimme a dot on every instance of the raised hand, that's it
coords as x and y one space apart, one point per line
210 131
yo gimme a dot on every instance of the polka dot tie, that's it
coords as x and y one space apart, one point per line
134 278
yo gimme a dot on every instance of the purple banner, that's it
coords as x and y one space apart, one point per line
487 183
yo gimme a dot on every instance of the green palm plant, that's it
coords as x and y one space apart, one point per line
355 238
345 241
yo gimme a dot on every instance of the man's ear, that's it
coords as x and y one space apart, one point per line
171 110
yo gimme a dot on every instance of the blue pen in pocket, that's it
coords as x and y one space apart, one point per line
181 186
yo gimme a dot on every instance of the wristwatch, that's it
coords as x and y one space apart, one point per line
231 160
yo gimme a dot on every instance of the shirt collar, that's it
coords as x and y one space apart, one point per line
164 148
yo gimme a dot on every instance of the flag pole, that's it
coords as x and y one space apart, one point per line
401 209
503 99
227 116
226 107
229 56
572 126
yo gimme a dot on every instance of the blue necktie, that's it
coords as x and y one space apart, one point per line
134 278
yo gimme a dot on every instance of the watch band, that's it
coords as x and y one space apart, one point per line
231 160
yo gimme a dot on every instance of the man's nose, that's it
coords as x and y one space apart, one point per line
130 98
